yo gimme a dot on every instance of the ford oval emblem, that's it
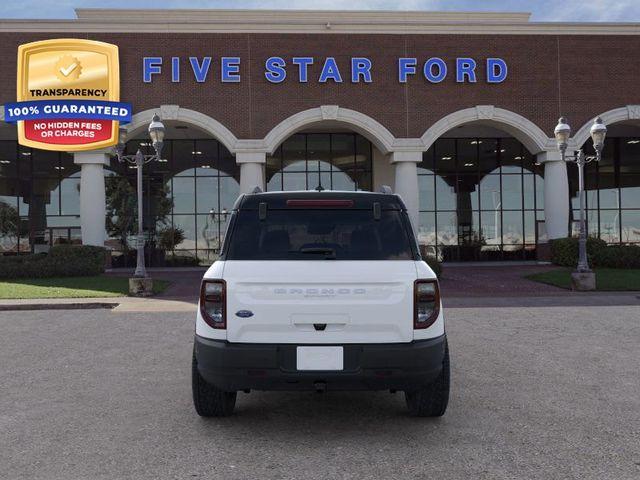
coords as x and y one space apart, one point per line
244 313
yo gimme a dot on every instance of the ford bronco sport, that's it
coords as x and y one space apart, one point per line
320 291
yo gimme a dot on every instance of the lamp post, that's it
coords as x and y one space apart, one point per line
583 278
156 133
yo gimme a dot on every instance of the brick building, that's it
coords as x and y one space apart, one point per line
455 111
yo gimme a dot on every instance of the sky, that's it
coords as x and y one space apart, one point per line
542 10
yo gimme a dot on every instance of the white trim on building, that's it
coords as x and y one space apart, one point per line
527 132
140 123
617 115
311 21
382 138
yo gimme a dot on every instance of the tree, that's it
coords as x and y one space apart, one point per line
9 221
122 208
169 237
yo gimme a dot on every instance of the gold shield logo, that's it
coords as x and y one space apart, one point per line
70 72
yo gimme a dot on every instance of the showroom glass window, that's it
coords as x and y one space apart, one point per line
480 199
331 161
200 178
39 199
612 191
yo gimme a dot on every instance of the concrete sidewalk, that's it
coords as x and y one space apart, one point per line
117 304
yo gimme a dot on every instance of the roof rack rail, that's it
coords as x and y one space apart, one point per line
386 189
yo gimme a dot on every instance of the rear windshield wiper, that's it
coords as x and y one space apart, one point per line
330 253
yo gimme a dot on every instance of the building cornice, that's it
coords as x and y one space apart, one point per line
265 16
308 21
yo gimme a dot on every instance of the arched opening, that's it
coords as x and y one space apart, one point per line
612 186
328 148
187 197
481 195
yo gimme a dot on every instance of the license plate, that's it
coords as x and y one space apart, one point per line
320 358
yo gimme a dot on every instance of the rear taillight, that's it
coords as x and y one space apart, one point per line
213 303
426 303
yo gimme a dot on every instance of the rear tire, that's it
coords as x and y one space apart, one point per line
208 400
432 399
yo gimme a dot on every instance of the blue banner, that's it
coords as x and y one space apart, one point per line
67 109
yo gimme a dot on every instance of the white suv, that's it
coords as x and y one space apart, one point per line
320 291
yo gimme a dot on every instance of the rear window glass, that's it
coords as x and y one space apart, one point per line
297 234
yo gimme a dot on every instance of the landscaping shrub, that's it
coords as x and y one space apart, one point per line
564 252
61 261
169 238
181 261
618 256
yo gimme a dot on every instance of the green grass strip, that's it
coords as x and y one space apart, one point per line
607 279
71 287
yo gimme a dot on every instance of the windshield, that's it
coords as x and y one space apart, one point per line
319 234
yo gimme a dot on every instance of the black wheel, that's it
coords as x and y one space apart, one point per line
208 400
432 399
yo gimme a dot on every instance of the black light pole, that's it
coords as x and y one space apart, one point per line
562 133
156 133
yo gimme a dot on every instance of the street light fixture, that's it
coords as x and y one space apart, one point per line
156 133
562 133
598 133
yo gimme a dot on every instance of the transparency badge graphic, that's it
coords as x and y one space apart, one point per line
68 95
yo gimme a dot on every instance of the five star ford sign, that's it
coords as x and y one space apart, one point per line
68 95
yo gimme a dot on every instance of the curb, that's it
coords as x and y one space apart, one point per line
57 306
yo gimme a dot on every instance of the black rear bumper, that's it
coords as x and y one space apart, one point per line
390 366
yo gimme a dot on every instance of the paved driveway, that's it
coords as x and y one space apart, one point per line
544 393
459 280
495 281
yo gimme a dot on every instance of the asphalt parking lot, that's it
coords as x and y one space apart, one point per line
549 392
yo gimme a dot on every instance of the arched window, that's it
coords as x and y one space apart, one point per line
612 189
480 198
331 161
39 191
192 189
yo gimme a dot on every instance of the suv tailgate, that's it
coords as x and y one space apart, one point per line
320 302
